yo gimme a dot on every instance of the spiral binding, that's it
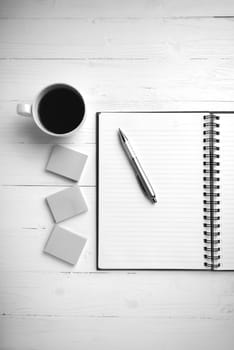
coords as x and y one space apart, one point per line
211 192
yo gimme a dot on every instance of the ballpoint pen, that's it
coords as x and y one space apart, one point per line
139 172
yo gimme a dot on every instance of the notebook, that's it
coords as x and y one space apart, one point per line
189 159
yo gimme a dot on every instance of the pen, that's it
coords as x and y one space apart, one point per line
139 172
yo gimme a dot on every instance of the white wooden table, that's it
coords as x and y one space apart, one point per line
123 55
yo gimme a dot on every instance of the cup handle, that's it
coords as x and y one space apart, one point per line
24 109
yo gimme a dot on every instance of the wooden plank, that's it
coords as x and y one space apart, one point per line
25 164
128 85
122 55
15 129
25 150
26 224
115 333
136 295
111 8
206 38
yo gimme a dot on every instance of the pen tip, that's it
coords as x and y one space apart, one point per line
154 200
122 136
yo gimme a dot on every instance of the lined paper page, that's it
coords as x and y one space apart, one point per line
133 232
227 191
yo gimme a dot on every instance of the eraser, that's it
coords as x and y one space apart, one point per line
66 162
66 203
65 245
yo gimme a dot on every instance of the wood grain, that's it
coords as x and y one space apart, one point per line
113 9
117 333
130 85
32 225
122 55
164 295
117 39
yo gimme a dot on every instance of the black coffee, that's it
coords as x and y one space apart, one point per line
61 110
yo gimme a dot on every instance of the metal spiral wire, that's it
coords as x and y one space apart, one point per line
211 193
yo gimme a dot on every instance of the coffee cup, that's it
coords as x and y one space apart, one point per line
58 110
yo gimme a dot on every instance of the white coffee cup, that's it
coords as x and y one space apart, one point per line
33 110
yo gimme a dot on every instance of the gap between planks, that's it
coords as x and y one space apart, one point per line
106 18
45 185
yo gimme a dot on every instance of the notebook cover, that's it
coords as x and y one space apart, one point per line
98 115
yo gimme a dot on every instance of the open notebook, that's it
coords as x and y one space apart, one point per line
189 159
